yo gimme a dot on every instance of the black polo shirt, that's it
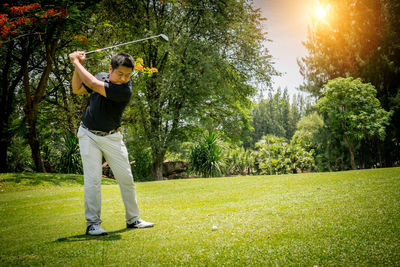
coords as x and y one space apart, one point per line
104 113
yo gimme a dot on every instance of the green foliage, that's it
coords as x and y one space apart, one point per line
306 131
360 39
282 157
329 152
206 157
344 44
140 152
141 170
70 161
19 157
352 112
237 161
277 116
205 70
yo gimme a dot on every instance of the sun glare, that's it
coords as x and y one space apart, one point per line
321 12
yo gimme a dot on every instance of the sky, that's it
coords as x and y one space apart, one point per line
286 26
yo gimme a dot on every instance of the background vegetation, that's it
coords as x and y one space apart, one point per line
213 77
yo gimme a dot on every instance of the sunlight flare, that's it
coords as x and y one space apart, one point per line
320 12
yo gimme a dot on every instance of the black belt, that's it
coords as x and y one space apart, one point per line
101 133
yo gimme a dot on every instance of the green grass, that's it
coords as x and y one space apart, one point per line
325 219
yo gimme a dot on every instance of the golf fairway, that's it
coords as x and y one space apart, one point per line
324 219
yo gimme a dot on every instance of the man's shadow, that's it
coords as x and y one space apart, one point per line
112 236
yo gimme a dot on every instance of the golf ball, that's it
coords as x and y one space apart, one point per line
214 228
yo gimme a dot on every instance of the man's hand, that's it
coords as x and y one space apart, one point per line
82 76
77 56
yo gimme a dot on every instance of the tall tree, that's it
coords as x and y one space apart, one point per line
276 115
359 38
10 77
343 43
35 31
352 112
215 51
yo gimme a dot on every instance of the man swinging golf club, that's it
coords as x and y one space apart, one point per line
99 136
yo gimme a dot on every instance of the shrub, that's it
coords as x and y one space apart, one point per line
19 156
284 158
70 161
206 157
140 152
238 161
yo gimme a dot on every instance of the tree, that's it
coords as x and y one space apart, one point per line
215 51
306 130
352 112
328 151
276 115
32 34
359 38
343 44
10 77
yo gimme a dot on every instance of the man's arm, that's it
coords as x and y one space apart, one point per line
77 86
84 76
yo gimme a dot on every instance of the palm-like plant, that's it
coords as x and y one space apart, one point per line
70 161
205 158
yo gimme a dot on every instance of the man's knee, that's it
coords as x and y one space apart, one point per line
125 180
92 182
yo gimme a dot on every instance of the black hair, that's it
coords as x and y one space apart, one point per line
122 59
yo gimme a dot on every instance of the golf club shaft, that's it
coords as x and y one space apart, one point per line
135 41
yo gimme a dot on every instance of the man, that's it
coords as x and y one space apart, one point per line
99 136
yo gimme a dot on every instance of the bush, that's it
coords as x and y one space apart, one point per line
205 158
285 158
140 152
142 168
19 156
70 161
238 161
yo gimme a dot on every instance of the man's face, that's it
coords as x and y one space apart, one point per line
120 75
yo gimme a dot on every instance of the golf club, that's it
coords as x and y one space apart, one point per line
163 36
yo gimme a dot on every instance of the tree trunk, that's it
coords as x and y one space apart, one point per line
157 170
7 93
4 143
158 159
32 100
352 152
35 148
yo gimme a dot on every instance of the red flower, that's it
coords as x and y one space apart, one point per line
19 10
3 19
4 31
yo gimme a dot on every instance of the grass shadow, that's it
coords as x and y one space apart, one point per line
57 179
112 236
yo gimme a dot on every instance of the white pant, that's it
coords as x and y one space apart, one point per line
112 147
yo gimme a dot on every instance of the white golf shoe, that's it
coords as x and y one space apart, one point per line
139 223
95 229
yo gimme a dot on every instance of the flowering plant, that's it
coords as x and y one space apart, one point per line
146 70
16 17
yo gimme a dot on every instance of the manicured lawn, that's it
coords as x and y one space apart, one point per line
325 219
